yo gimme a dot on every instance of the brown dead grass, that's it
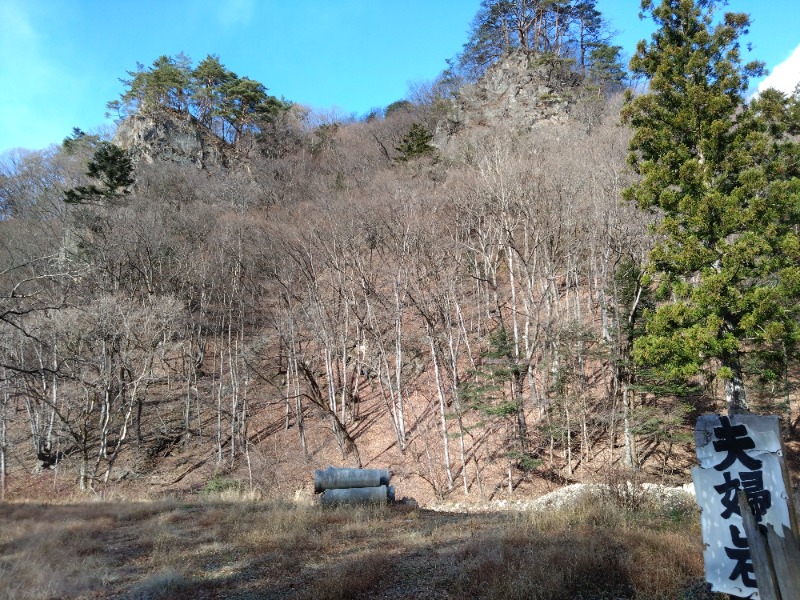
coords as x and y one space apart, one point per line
208 548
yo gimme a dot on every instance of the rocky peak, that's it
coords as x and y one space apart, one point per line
171 136
523 89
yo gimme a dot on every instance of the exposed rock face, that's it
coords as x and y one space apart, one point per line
521 90
173 137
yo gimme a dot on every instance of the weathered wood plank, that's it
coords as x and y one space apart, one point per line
786 561
759 553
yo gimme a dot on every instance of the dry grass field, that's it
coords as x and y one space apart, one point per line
218 546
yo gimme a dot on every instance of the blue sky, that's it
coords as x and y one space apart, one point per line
61 60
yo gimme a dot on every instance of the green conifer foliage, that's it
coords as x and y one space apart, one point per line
573 30
417 142
112 173
219 99
244 102
719 170
208 80
605 70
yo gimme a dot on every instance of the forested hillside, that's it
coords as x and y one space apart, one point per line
514 275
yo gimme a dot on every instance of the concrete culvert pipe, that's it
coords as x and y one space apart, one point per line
351 496
340 479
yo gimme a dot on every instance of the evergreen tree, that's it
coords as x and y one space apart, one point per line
220 100
168 83
245 103
488 39
589 30
573 31
164 84
111 170
417 142
501 25
79 140
207 83
721 173
605 69
133 98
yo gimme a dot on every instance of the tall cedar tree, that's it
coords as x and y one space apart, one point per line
721 173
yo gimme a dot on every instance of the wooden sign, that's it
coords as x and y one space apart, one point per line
738 453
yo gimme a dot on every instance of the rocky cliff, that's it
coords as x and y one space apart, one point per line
522 90
172 137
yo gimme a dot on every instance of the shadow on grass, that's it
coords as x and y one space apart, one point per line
240 550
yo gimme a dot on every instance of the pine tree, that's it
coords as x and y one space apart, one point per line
168 83
245 103
79 140
561 29
112 172
590 30
718 169
219 99
605 69
208 81
165 84
417 142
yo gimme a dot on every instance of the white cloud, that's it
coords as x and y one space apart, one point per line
785 76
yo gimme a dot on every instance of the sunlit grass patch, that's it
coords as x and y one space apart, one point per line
163 585
597 547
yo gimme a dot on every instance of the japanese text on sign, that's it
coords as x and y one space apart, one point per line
737 453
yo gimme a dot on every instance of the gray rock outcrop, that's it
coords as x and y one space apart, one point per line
172 137
522 90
